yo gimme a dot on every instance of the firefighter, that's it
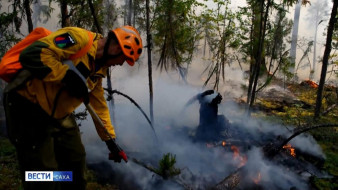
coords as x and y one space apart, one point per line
39 115
211 124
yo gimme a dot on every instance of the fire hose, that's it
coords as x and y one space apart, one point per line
121 152
97 119
134 102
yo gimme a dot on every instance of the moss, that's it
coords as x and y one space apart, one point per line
324 184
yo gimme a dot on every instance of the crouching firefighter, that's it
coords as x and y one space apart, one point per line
59 72
211 124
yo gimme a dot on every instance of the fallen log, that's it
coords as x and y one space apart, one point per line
230 182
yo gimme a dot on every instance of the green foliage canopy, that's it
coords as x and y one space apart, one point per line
175 32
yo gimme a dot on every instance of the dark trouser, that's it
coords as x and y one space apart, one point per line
43 144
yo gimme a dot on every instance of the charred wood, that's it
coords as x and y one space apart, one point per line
230 182
270 150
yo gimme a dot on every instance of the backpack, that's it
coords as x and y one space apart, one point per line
10 64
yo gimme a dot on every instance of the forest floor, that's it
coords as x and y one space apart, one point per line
300 112
297 112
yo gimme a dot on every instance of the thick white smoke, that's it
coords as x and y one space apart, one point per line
202 167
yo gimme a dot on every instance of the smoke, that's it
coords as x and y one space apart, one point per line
307 143
201 166
272 176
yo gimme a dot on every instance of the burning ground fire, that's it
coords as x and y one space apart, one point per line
238 156
201 166
311 83
290 149
257 179
223 143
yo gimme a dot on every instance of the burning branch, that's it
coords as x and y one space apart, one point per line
305 129
272 150
290 149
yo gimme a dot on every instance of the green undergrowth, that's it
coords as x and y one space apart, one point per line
167 166
301 113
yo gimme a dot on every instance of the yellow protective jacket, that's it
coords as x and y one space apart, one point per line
44 59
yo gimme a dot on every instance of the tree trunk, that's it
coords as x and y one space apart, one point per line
327 51
134 13
125 16
28 15
149 44
313 72
259 57
204 46
36 12
253 50
130 11
294 37
64 14
96 22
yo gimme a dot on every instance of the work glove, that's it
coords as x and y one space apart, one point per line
75 83
217 99
116 152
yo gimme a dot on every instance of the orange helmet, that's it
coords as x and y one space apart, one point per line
130 42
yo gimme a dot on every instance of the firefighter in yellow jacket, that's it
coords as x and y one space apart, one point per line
39 113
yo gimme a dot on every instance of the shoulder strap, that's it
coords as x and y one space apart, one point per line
85 49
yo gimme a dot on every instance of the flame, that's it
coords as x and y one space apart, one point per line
290 149
311 83
223 143
257 179
237 156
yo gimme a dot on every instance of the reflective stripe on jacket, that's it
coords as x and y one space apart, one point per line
44 59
